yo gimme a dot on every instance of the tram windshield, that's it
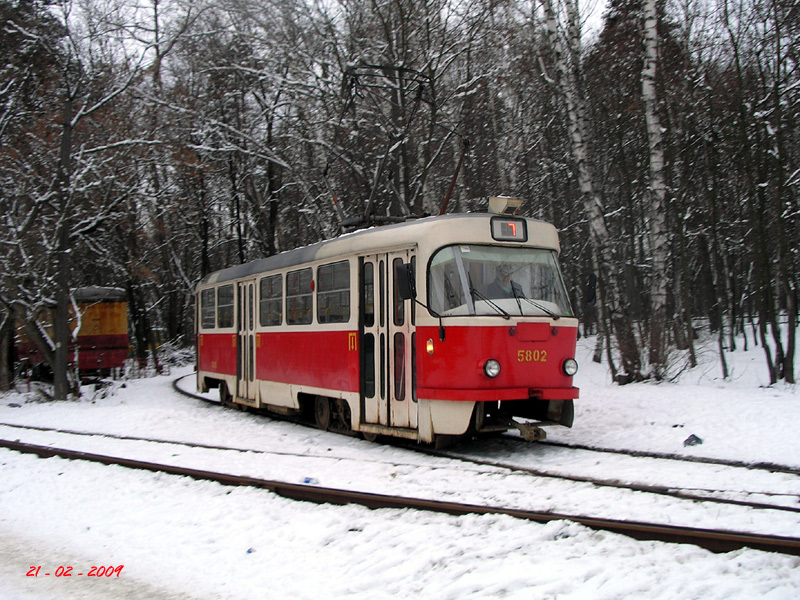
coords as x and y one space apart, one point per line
496 280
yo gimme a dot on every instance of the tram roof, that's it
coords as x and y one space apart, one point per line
360 242
98 294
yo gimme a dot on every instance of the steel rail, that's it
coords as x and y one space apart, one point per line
713 540
177 388
757 466
670 491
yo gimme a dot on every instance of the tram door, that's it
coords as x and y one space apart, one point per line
245 343
387 331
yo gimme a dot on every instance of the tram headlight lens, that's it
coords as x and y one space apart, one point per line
570 367
491 368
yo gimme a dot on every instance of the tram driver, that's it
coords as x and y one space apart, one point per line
503 286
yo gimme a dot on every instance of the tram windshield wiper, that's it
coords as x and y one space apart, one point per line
553 315
517 297
476 294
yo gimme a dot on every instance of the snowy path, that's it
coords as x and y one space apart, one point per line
16 551
208 541
405 472
188 539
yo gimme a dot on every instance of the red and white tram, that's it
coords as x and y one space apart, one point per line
428 329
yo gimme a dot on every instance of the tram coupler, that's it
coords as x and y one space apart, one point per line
529 431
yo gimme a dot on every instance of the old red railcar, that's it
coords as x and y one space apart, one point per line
101 342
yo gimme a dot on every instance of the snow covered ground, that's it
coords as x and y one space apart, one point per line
179 538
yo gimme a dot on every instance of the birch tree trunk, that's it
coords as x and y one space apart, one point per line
61 334
6 339
656 210
783 204
570 86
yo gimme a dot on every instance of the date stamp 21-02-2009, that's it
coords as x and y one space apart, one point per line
62 571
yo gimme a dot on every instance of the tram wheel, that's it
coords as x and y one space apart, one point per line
370 437
444 441
225 397
322 412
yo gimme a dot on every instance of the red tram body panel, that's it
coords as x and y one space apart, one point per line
316 359
457 372
216 353
438 327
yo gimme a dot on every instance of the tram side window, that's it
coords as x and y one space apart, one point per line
399 366
368 278
271 305
208 309
299 297
333 293
413 305
399 304
225 306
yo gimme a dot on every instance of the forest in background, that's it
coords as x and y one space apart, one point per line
144 145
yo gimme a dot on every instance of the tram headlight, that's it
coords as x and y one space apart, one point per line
570 367
491 368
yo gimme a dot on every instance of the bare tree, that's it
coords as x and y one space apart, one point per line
56 207
657 218
565 48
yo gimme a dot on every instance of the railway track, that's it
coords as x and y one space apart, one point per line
707 538
699 495
760 466
511 440
674 491
693 494
713 540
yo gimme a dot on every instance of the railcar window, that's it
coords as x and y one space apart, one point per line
496 280
299 297
399 366
414 304
251 317
333 293
399 304
369 295
208 309
369 365
381 295
271 303
383 365
225 306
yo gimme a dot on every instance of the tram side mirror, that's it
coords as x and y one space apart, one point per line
591 290
406 288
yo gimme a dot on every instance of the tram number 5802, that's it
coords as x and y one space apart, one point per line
524 356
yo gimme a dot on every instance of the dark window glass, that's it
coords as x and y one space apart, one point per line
299 297
271 303
383 366
414 304
381 295
399 303
251 366
399 366
251 320
225 306
369 295
208 309
333 293
369 365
